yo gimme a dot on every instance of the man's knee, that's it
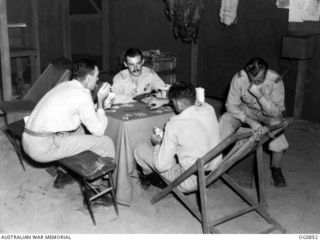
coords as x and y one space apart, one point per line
272 121
279 144
143 154
226 117
136 152
139 152
108 144
227 124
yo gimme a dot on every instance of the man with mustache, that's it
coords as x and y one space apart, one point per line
136 79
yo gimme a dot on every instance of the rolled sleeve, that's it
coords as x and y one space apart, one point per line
95 121
234 99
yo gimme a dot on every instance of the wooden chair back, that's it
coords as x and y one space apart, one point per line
245 143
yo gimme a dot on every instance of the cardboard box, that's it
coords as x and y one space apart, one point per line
298 46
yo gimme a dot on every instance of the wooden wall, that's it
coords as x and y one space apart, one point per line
50 31
49 25
310 110
222 50
142 24
225 50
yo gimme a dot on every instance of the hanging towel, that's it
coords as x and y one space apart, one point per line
228 11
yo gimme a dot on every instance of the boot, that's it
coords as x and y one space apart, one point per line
278 178
156 180
145 183
52 170
62 180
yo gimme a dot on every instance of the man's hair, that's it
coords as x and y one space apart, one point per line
182 91
255 65
82 68
133 52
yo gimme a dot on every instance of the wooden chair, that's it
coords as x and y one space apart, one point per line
51 76
245 144
87 166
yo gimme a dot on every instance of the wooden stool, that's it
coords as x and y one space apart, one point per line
88 166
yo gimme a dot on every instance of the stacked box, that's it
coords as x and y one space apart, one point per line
163 63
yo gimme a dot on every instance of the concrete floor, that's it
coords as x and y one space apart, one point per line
30 204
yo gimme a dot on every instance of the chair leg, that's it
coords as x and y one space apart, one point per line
17 148
5 118
203 197
113 195
261 176
19 152
85 189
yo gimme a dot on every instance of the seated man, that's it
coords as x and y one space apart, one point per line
54 129
136 79
188 135
256 97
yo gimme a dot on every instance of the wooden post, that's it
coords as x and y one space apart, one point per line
5 53
298 99
194 64
105 24
35 32
261 177
66 35
203 196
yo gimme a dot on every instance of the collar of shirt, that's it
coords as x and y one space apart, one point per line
78 84
190 111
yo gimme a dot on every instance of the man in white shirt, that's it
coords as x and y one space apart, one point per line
136 79
187 136
54 129
256 98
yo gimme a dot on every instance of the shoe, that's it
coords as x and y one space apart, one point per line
62 180
145 183
104 200
52 170
278 178
156 180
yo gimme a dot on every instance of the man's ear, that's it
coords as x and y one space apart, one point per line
180 104
125 64
85 82
142 61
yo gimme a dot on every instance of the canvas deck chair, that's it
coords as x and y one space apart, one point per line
245 144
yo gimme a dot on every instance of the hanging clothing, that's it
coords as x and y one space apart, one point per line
228 11
186 16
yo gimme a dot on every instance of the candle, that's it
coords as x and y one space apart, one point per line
200 94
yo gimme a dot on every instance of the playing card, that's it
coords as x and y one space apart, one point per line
110 110
140 114
127 105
